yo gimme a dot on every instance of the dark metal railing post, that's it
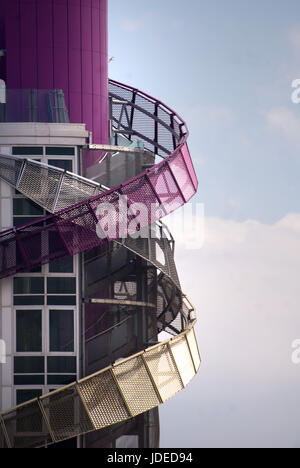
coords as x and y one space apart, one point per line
155 128
172 127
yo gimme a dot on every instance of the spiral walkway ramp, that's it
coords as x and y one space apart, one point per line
85 215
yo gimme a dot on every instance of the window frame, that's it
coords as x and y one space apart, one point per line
45 323
45 315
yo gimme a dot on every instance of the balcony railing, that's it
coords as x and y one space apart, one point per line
141 381
33 105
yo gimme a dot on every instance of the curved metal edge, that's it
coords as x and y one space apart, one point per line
119 392
152 99
113 394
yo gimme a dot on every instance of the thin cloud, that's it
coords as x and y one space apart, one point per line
294 36
132 25
212 115
286 122
244 284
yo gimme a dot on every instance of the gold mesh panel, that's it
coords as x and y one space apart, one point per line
163 371
3 443
194 348
66 414
136 386
26 427
103 400
183 359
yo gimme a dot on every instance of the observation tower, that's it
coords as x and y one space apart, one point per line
89 167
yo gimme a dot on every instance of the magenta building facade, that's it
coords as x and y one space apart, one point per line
60 44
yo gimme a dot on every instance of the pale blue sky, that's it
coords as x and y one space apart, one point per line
226 66
234 61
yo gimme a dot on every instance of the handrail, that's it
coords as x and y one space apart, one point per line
119 392
142 381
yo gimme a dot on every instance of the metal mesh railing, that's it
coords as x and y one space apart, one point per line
50 187
140 382
115 394
154 245
101 265
160 190
136 114
34 105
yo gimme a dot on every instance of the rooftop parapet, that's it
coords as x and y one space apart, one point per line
33 105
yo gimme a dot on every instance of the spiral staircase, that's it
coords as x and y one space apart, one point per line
85 215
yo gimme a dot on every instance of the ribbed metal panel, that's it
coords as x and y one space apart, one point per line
103 399
136 385
112 395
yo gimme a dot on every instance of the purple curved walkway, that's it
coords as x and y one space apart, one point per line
149 196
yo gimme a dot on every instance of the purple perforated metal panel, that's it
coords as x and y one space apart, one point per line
82 226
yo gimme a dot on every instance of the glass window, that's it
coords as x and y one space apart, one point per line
61 285
60 379
34 270
29 300
23 206
61 300
61 325
29 364
29 330
28 394
66 164
20 220
29 380
61 364
25 211
29 285
60 150
62 266
27 150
